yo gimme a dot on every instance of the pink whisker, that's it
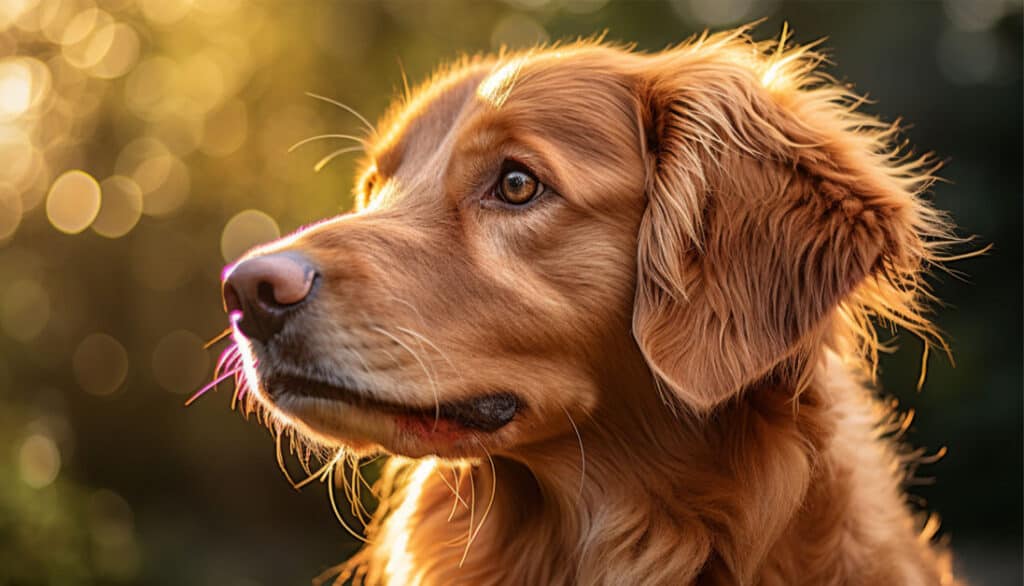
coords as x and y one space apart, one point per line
229 359
216 381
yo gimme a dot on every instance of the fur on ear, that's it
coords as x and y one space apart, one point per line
779 219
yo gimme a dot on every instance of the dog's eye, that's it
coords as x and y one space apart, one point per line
518 187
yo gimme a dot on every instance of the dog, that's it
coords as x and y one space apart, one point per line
611 314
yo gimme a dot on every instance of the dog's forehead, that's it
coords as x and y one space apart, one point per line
415 122
579 87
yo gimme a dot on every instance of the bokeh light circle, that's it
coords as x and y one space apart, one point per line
518 31
81 25
112 530
94 46
111 520
100 364
165 182
148 87
10 11
19 155
25 310
180 363
165 11
206 82
122 54
245 230
162 176
73 202
121 207
24 83
38 460
718 13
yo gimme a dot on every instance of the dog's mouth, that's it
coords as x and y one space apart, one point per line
487 413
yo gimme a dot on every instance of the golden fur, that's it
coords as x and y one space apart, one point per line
687 319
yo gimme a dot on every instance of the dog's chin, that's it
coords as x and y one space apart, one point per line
336 416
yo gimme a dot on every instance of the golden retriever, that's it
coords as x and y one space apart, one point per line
612 315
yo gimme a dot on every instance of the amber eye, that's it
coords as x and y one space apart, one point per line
518 187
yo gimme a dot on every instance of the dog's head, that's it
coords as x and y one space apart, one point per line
536 230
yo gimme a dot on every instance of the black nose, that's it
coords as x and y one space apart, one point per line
261 293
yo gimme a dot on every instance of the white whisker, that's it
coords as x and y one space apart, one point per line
324 137
423 366
345 107
490 502
426 341
583 455
330 157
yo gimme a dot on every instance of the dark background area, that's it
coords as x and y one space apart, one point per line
180 115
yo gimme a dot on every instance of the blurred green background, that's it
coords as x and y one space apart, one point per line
143 144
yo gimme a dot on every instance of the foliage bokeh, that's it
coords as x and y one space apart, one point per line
143 143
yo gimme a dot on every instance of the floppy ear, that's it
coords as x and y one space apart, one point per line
775 214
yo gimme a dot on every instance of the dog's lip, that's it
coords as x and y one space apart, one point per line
487 412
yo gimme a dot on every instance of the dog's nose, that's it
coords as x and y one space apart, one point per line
262 292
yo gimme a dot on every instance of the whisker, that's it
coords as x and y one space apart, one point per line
280 457
406 93
458 497
217 338
345 107
324 137
423 366
357 475
423 338
487 509
337 513
369 461
456 474
427 341
211 385
472 512
583 456
229 358
353 490
330 157
359 355
241 390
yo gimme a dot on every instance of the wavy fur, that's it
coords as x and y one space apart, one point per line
690 321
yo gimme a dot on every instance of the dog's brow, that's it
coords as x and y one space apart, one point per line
496 87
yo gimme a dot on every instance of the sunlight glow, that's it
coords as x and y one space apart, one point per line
769 77
498 85
15 90
396 531
24 82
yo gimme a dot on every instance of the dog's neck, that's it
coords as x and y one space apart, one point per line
644 472
657 496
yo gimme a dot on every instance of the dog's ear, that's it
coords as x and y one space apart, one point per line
771 206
